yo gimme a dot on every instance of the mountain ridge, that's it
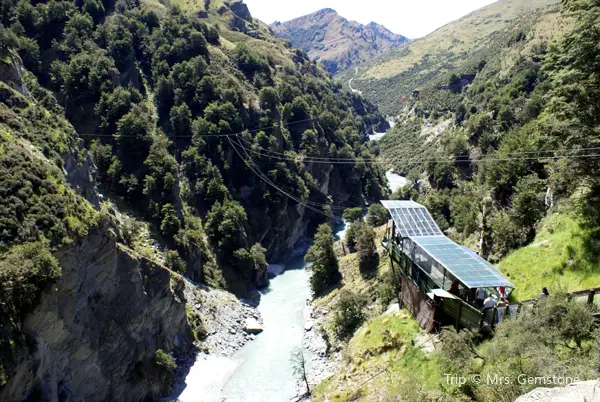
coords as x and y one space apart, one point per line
398 72
337 42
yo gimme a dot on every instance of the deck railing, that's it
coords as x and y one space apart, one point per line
463 313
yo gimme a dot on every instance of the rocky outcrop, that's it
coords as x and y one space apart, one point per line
95 333
587 391
337 42
80 172
11 72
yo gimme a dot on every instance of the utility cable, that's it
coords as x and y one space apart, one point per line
484 158
341 208
207 135
270 183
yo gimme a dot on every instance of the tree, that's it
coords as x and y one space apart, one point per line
252 262
25 271
170 223
322 260
528 201
353 215
377 215
299 366
506 235
365 244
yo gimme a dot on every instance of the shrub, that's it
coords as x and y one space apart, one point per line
165 361
196 322
352 215
25 271
348 313
130 230
174 262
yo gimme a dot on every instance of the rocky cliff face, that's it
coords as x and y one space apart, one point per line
335 41
94 334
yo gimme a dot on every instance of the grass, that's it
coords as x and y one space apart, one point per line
463 35
381 341
556 259
385 342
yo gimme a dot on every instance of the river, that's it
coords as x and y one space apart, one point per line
266 372
262 371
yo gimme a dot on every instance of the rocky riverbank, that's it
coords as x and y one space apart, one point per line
325 359
230 323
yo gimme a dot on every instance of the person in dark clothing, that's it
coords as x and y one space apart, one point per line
544 292
454 287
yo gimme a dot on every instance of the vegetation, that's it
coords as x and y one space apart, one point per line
559 258
374 347
196 323
560 339
431 61
360 237
487 133
323 261
377 215
156 91
299 364
164 360
166 364
160 88
348 313
25 272
353 215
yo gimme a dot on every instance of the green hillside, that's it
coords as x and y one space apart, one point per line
164 111
419 65
493 145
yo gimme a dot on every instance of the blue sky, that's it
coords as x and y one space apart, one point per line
413 19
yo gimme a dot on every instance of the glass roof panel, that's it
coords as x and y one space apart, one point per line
472 270
413 221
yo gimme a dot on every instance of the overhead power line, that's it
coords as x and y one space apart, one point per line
316 204
266 179
385 161
208 135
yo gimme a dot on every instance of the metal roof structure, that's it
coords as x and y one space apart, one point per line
412 219
437 254
463 263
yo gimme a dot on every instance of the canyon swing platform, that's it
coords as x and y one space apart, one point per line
439 277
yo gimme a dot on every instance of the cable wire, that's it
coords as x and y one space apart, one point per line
264 178
208 135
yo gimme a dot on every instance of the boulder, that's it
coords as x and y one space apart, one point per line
252 326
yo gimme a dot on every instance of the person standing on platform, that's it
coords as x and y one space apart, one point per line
479 297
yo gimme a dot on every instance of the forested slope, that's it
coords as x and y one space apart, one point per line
161 114
419 65
508 138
